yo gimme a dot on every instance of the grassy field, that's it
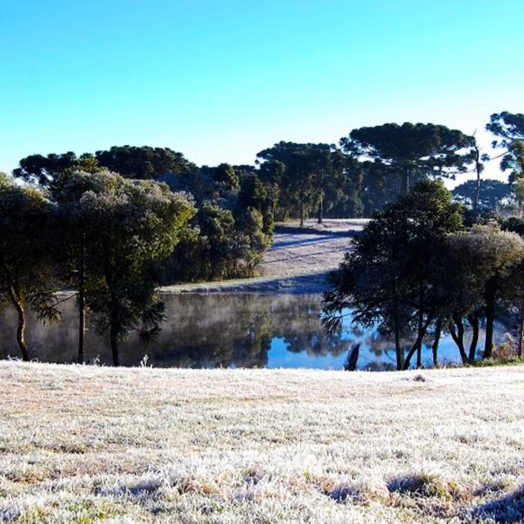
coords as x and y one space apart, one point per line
86 444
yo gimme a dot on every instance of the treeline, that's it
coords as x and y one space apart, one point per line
370 167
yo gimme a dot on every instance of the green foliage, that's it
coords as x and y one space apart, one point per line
492 195
116 234
25 262
223 244
143 162
477 270
507 127
45 170
410 151
388 277
306 173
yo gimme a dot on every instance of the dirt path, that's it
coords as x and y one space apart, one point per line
297 262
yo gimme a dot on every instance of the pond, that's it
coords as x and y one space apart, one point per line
222 330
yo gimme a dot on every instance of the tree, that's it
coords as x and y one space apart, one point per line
118 234
143 162
271 174
309 169
476 158
389 276
44 170
25 262
492 193
410 151
496 253
508 129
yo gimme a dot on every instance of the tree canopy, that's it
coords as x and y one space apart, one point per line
132 226
389 277
143 162
410 151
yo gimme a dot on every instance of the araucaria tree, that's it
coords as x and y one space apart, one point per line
411 151
25 258
508 129
306 174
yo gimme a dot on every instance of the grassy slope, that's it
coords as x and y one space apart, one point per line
79 444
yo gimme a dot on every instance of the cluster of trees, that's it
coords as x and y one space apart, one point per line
417 271
114 240
228 234
374 165
493 195
100 234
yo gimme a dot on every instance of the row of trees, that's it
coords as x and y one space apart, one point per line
102 235
370 167
417 271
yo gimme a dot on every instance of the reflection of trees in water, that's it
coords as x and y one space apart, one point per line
297 322
212 331
47 343
377 350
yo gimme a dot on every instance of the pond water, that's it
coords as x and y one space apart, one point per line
215 330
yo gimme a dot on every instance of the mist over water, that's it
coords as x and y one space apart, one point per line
215 330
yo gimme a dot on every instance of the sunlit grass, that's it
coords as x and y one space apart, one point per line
87 444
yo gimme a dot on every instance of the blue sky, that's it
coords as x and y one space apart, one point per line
220 80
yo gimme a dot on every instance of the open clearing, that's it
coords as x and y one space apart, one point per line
297 262
86 444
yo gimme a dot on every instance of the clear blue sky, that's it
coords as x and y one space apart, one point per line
220 80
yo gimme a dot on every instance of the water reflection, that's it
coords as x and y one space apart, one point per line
208 331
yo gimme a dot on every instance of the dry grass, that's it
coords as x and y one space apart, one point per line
298 260
83 444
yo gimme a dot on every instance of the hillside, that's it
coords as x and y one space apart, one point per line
298 260
86 444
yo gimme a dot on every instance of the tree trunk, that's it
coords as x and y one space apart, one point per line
301 210
521 329
434 347
420 325
114 332
273 200
474 323
458 337
20 329
115 326
478 170
404 182
81 306
398 350
417 346
81 327
320 208
490 320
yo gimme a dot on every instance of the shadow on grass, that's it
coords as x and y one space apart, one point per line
313 231
504 510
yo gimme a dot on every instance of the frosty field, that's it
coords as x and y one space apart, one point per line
89 444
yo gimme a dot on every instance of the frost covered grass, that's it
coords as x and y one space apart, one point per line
87 444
